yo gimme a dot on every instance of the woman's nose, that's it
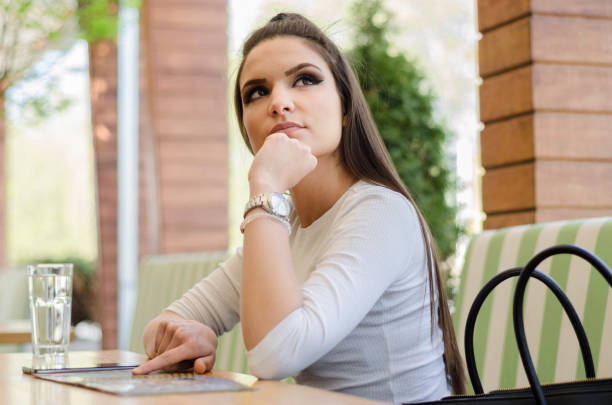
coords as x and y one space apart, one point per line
280 102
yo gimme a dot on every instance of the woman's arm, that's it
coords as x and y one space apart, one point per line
269 289
375 242
215 300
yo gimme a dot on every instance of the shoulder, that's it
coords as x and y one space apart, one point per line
380 222
376 200
378 211
364 189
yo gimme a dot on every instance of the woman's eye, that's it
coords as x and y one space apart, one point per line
254 94
307 80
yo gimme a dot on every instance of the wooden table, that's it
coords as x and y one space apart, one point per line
18 332
15 332
17 388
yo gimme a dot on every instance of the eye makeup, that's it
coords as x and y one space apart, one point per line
248 97
313 79
301 73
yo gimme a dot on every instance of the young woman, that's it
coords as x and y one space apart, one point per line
342 289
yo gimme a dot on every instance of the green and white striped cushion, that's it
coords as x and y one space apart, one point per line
551 340
164 278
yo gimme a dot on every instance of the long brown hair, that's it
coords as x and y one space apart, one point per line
365 156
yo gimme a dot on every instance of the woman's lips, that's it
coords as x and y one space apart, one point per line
286 127
289 130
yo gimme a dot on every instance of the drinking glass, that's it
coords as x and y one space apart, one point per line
50 288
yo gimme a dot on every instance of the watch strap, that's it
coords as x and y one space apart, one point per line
263 201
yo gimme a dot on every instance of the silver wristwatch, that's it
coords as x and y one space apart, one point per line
275 203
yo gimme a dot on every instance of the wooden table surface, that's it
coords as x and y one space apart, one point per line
17 388
15 331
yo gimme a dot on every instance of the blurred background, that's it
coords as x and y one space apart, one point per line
66 109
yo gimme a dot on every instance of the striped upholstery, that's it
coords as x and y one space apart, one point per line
551 340
164 278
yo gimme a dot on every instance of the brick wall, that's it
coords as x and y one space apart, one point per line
187 67
546 105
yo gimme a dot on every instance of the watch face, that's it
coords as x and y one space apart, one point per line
279 204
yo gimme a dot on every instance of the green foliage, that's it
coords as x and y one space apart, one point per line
83 288
37 95
97 19
27 29
402 107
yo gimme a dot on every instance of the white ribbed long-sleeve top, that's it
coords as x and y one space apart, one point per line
364 327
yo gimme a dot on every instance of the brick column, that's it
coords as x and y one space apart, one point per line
103 85
186 65
546 105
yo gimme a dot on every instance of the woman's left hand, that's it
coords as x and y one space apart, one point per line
178 341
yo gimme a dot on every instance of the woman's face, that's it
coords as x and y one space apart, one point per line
287 87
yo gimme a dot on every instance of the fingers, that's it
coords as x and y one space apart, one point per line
281 162
154 331
181 341
165 343
204 364
168 336
164 360
312 160
183 365
149 347
159 335
276 135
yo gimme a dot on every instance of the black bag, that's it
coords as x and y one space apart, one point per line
591 391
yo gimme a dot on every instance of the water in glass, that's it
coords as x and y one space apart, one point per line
50 305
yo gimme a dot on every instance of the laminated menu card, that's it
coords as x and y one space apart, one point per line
122 382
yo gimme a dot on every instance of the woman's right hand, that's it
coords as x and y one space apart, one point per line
280 163
169 340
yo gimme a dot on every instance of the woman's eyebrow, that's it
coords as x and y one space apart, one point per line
287 73
253 82
300 66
